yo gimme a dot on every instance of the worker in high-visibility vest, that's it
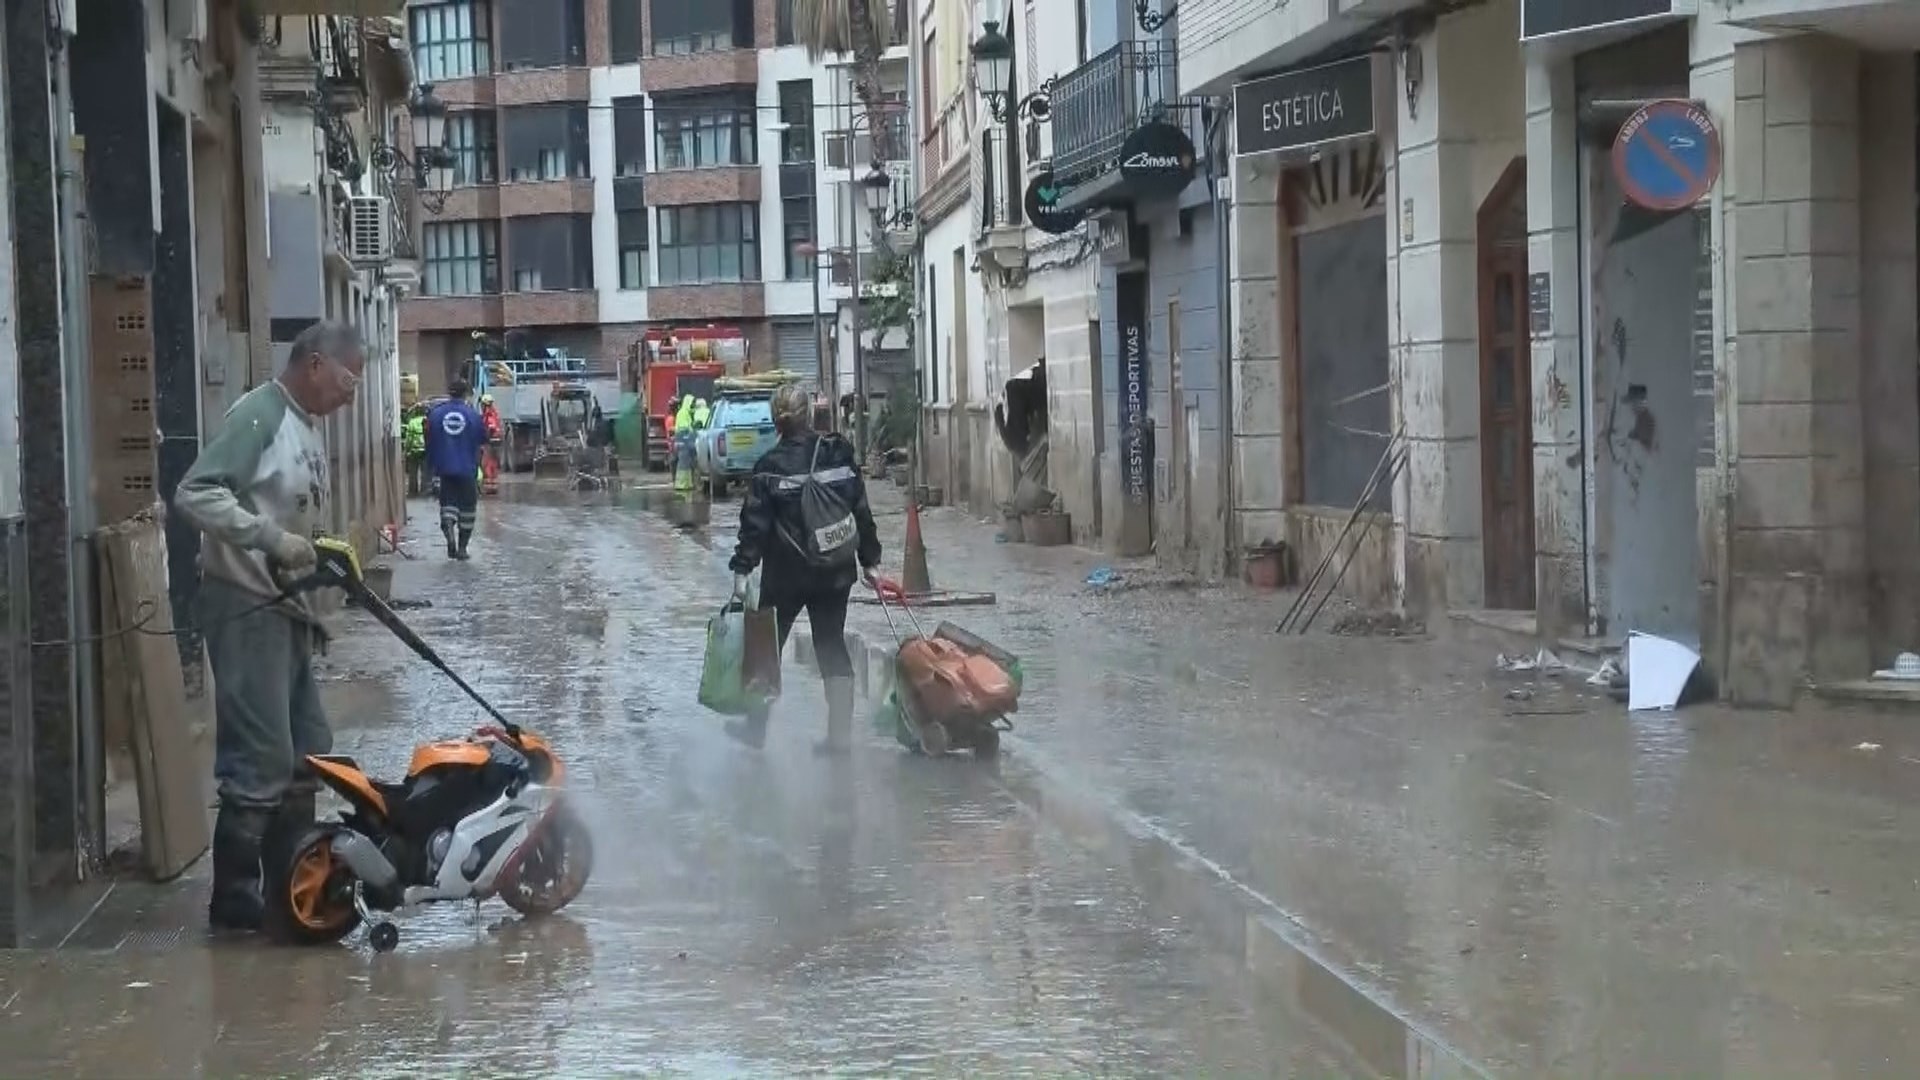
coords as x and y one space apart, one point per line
683 433
490 456
413 441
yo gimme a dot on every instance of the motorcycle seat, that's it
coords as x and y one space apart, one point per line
338 759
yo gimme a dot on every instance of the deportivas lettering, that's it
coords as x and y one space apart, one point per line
1302 109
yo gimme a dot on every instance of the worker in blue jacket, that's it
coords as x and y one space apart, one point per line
456 440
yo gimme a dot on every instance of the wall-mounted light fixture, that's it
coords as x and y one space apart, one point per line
430 153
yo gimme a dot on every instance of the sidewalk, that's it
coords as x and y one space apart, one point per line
1552 886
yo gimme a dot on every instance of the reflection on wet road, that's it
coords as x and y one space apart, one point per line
750 914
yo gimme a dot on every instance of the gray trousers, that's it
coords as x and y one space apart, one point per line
267 709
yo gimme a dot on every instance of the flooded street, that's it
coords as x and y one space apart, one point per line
1206 851
750 914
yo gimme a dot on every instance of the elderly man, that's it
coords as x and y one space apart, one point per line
259 493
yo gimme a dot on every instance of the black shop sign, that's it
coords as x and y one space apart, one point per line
1136 430
1547 18
1043 206
1297 109
1156 161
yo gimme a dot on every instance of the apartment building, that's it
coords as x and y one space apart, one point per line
621 166
1635 278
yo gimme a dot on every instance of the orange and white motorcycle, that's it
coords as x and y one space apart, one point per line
474 818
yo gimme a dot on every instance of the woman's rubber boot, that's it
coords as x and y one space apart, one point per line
839 738
239 832
751 730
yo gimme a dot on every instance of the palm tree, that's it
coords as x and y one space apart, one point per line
864 28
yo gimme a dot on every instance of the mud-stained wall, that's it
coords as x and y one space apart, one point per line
1645 432
1370 578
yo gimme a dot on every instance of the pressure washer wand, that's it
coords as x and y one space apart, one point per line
390 619
339 568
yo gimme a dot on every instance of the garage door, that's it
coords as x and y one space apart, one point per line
793 349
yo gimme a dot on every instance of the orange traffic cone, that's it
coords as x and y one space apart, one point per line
917 581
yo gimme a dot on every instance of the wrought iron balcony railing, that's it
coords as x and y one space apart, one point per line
1098 104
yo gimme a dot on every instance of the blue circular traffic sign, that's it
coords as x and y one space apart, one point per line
1667 155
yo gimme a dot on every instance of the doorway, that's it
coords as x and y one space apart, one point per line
1506 395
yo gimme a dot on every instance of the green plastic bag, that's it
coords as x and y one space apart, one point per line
732 636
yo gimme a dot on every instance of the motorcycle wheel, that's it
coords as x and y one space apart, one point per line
554 870
313 903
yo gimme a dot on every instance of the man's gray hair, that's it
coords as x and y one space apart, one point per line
330 338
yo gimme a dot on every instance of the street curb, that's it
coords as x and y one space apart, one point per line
1275 947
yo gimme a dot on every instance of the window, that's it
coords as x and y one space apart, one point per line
633 249
796 111
712 243
450 41
630 136
460 258
797 227
684 27
475 147
545 142
623 30
551 252
542 34
783 22
705 133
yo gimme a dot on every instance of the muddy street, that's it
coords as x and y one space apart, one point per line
1206 850
750 914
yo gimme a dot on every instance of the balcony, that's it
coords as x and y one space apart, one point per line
1000 225
1097 106
329 7
943 148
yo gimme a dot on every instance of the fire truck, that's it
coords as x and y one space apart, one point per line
667 363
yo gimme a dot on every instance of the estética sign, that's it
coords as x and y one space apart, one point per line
1547 18
1297 109
1667 155
1044 211
1157 160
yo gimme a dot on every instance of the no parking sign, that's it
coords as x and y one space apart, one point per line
1667 155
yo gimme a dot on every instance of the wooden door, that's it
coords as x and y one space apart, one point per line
1506 395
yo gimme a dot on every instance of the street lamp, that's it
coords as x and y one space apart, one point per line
877 189
432 163
993 71
993 63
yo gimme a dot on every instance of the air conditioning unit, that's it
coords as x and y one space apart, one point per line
369 230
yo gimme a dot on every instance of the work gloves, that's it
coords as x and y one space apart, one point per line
292 552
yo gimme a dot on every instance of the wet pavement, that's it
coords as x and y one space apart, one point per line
1208 851
750 914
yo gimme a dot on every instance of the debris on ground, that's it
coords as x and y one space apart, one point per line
1102 577
1906 668
1868 747
1661 668
1389 624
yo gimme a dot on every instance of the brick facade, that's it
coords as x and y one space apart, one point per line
743 301
688 187
550 308
670 74
545 197
541 86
